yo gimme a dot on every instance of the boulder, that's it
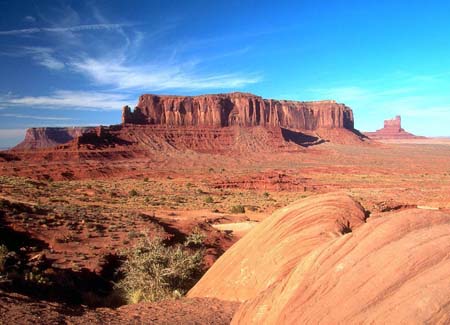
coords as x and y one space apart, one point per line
269 252
392 270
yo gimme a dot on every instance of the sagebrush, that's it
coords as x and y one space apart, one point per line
153 271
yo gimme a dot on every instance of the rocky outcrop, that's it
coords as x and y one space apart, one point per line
237 109
273 248
392 130
36 138
392 270
320 261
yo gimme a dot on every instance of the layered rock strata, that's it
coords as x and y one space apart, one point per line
237 109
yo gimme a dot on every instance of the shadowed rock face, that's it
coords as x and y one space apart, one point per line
237 109
36 138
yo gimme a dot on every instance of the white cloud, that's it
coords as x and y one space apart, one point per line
44 56
78 28
159 76
35 117
29 19
63 99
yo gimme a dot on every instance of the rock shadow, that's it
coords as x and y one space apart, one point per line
300 139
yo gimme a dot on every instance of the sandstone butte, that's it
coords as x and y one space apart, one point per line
320 261
169 116
392 130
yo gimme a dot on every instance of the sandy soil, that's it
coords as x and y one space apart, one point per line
78 222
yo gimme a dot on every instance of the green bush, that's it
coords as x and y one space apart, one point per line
209 199
133 192
195 239
153 271
237 209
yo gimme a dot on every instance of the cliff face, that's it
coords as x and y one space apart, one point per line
237 109
46 137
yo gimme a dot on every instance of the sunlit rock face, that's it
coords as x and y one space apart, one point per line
237 109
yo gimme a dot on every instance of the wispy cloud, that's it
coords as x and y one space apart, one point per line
29 19
44 57
35 117
78 28
161 76
62 99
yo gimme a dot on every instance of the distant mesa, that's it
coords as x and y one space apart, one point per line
208 121
392 130
46 137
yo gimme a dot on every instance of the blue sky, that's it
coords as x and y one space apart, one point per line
66 63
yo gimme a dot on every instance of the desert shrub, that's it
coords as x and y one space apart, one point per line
209 199
195 239
133 192
3 256
237 209
153 271
266 194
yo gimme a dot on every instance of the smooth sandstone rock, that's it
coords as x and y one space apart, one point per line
269 252
392 270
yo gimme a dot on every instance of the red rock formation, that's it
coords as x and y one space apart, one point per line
273 248
187 113
47 137
239 109
392 270
392 130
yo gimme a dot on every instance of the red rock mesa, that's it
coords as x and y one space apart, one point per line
237 109
215 119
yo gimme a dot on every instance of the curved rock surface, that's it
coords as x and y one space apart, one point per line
269 252
392 270
239 109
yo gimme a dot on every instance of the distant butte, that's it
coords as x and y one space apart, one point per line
392 130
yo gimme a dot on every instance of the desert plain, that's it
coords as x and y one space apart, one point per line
269 198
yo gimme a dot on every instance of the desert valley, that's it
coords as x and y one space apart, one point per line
224 162
298 216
